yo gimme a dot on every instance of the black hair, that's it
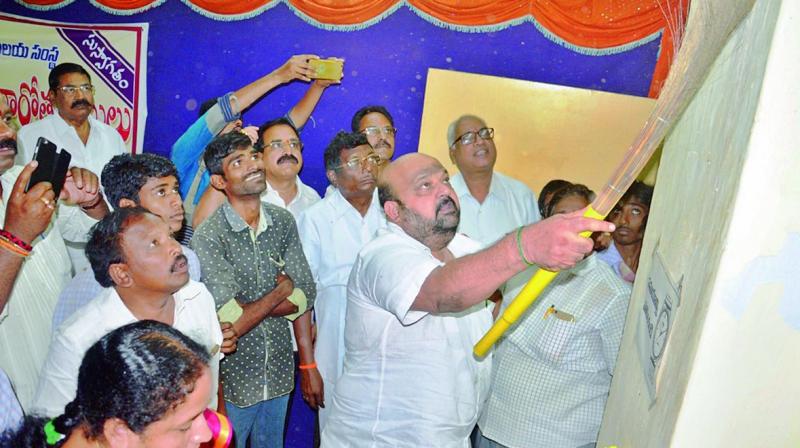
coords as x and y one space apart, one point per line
356 121
104 247
62 69
205 106
282 121
222 146
136 373
550 188
640 191
569 190
341 141
125 174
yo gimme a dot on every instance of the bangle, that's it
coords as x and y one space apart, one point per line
313 365
16 241
14 249
519 246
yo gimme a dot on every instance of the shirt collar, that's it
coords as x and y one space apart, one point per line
117 314
272 192
459 184
62 126
238 224
341 206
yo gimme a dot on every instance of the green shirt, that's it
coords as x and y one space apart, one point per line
240 264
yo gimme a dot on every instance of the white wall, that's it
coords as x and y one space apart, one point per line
726 216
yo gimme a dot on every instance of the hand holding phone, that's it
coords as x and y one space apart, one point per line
328 69
29 211
53 166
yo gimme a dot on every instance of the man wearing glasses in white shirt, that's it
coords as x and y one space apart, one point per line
90 142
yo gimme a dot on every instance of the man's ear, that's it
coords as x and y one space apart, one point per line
120 275
51 96
452 153
117 433
126 203
218 182
331 175
392 210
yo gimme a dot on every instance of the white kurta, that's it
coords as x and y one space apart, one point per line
195 316
104 143
332 232
25 321
409 378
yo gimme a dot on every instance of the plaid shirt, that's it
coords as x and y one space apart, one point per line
240 264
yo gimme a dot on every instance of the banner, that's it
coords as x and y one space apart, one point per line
114 55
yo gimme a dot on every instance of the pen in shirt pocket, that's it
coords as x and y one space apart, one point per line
561 315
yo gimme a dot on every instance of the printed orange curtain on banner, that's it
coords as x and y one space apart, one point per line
581 24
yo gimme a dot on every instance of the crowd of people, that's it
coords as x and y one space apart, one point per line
153 288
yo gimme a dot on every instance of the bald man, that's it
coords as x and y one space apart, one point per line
415 307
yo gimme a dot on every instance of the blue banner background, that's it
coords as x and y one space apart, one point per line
192 58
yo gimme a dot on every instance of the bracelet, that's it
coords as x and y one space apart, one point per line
96 203
519 246
313 365
11 247
16 241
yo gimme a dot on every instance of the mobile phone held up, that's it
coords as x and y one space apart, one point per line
53 165
327 68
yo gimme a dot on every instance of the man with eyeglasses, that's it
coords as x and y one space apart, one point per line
376 123
332 232
90 142
283 159
492 204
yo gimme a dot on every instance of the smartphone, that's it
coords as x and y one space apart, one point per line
53 165
327 68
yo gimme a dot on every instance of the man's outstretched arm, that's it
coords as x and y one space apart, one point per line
554 244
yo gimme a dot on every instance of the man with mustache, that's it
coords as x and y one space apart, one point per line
34 263
332 232
415 308
283 159
132 180
224 114
90 142
376 123
255 268
146 276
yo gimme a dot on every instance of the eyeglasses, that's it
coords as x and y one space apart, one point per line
72 90
357 162
470 137
293 144
371 131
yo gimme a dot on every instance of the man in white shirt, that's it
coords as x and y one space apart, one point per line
132 180
492 204
90 142
332 232
30 284
132 250
409 376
